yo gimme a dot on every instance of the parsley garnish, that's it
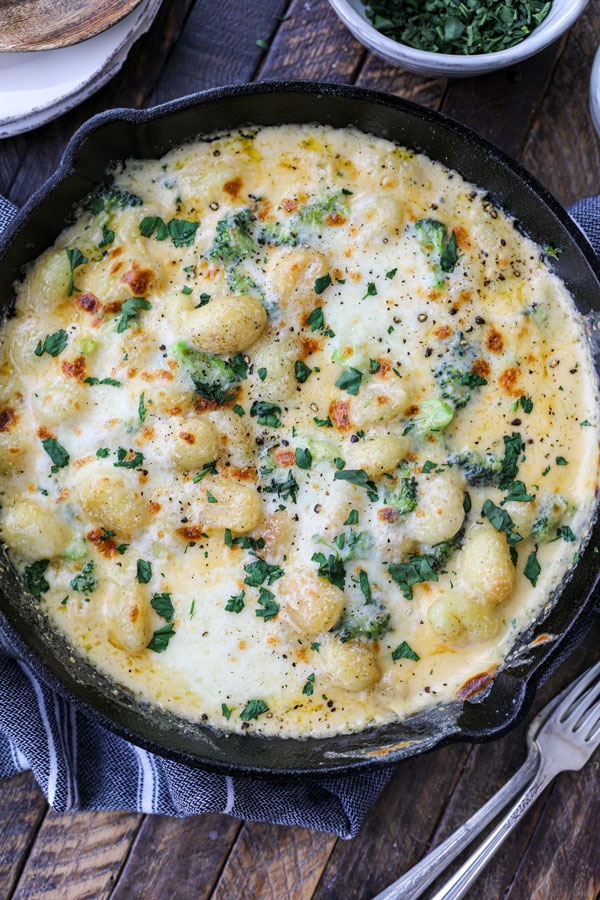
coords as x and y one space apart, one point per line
371 290
416 571
350 381
103 452
108 237
405 651
268 413
332 568
260 571
501 521
391 274
144 571
303 458
361 479
33 578
210 497
561 461
161 638
363 581
161 603
142 408
269 608
130 309
235 604
53 343
123 463
309 686
237 409
316 319
253 709
284 489
76 258
322 283
91 379
204 299
526 404
85 582
302 371
323 423
532 568
182 232
564 532
352 518
207 468
226 711
56 452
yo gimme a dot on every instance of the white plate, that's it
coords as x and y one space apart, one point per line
37 87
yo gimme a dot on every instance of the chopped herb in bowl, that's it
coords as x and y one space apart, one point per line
461 27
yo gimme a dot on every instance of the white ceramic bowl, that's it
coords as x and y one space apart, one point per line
562 15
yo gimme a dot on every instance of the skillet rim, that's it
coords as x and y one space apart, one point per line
530 681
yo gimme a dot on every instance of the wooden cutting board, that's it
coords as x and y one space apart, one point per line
48 24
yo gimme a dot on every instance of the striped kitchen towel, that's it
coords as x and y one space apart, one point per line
80 765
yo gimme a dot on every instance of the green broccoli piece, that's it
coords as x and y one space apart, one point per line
440 553
234 239
279 234
438 247
242 284
454 375
483 469
423 567
105 199
348 544
403 498
551 510
315 213
370 620
433 415
213 377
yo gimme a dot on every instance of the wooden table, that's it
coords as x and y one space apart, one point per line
538 112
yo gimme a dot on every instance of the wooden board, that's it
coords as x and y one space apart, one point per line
538 112
49 24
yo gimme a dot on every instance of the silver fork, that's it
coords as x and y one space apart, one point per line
562 737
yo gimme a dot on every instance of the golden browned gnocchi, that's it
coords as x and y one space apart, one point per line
275 455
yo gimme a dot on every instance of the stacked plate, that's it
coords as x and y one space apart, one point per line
38 86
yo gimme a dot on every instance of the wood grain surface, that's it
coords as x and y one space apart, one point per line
538 112
49 24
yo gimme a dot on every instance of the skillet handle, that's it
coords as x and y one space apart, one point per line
414 882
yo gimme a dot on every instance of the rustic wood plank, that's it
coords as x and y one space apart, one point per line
77 856
500 106
562 148
563 857
22 809
218 46
381 76
272 862
313 44
397 829
196 849
28 159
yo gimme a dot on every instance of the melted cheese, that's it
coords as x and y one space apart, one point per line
349 258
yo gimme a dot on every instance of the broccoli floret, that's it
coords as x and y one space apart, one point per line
479 468
349 544
551 510
433 415
370 620
242 284
213 377
234 238
403 498
454 374
279 234
440 553
105 199
438 247
316 213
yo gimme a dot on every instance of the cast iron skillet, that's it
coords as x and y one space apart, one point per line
122 133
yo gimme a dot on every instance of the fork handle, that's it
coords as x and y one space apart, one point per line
464 878
412 884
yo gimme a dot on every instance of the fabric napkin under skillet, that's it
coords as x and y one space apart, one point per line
80 765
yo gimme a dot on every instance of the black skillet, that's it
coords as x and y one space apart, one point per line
120 133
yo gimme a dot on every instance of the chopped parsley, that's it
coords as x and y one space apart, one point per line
309 686
85 582
161 603
302 371
76 259
363 581
269 608
350 381
130 309
142 408
235 604
237 409
53 343
360 478
268 413
322 283
417 570
91 379
144 571
226 711
405 651
287 489
371 290
207 468
391 274
303 458
332 568
33 578
526 404
182 232
253 709
501 521
323 423
316 319
259 571
352 518
160 639
561 461
532 568
124 463
56 452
